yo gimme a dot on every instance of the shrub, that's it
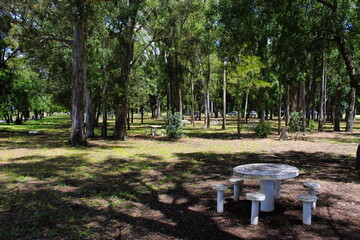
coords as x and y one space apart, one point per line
263 129
174 126
295 122
312 126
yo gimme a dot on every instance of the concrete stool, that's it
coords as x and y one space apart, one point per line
220 188
236 182
255 198
307 200
311 187
277 189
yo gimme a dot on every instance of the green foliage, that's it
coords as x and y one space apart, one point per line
263 129
295 122
311 126
174 126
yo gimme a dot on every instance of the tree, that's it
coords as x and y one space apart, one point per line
244 78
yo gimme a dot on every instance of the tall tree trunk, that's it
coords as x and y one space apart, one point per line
132 115
208 108
337 111
128 119
158 106
120 123
303 106
104 111
90 114
354 80
180 100
351 111
168 96
77 136
192 101
279 116
224 103
98 113
358 158
322 99
246 103
287 105
239 120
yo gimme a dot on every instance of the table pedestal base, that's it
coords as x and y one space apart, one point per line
267 188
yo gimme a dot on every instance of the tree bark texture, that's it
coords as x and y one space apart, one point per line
77 136
322 96
303 105
224 103
337 112
287 106
192 101
104 111
279 110
357 166
158 106
351 111
90 114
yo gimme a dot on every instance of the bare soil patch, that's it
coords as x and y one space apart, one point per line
154 188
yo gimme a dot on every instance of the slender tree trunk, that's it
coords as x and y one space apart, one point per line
128 119
180 101
279 116
246 103
77 136
98 113
287 106
104 111
158 106
239 121
90 118
168 96
337 109
224 103
192 101
322 99
351 111
358 158
132 115
208 108
303 106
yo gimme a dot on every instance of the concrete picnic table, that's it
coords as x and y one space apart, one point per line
154 128
267 173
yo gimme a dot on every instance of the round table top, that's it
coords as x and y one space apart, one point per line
266 171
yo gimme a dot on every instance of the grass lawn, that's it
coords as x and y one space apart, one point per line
152 187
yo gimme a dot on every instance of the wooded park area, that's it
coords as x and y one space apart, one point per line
86 84
213 57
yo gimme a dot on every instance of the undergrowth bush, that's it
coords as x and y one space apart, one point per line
174 126
295 122
263 129
311 126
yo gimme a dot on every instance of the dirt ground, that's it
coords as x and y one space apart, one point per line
189 211
186 209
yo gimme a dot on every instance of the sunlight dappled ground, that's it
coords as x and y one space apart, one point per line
152 188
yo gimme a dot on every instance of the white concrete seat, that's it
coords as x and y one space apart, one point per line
311 187
237 182
220 188
255 198
307 200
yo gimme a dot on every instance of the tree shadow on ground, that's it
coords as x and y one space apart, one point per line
330 167
154 199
